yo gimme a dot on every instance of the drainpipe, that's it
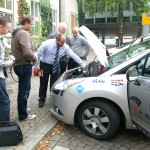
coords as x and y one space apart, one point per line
59 10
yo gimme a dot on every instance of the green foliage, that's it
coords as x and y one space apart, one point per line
81 13
139 6
36 36
46 17
23 9
117 7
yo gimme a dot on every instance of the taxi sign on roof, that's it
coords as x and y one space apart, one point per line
145 18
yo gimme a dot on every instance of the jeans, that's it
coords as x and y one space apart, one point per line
4 102
24 73
47 71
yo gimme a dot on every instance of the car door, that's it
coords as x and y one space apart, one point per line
139 96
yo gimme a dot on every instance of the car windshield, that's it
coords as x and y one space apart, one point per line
128 53
124 45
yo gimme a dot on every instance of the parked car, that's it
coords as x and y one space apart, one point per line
96 99
124 46
119 48
139 94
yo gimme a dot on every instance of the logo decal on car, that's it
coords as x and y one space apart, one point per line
135 104
117 82
80 88
98 81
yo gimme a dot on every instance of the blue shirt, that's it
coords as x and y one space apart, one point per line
47 51
2 62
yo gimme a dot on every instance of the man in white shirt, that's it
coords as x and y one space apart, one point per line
46 55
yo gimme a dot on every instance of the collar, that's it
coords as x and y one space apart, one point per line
76 37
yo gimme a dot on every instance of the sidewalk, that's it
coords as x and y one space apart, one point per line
33 130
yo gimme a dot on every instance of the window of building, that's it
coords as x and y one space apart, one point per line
54 20
6 14
7 4
6 8
35 9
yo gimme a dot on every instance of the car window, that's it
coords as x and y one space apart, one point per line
147 68
128 53
139 64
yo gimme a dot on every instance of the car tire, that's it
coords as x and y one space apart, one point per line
99 119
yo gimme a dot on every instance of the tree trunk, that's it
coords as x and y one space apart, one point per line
120 34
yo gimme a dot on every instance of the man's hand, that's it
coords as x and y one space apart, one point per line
85 68
9 63
36 68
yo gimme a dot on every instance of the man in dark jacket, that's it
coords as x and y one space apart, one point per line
22 50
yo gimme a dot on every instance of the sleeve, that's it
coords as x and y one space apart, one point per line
40 51
2 63
49 36
71 54
26 45
52 36
67 40
87 46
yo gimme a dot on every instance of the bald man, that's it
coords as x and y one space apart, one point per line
78 44
46 54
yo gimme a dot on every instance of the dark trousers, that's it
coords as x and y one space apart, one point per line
4 102
63 64
47 71
24 73
73 64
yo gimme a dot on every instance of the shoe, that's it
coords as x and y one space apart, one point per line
28 110
41 104
30 117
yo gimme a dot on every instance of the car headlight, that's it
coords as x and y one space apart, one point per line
66 84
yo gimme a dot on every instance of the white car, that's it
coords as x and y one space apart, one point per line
124 46
97 99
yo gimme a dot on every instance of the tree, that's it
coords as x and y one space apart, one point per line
81 13
23 9
117 7
46 17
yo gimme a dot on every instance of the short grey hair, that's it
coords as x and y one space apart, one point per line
62 25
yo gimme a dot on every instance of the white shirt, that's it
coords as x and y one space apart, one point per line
47 51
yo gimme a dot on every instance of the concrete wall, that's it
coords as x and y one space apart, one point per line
68 8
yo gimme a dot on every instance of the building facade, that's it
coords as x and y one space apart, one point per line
62 10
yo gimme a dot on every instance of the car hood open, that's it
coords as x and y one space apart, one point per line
98 47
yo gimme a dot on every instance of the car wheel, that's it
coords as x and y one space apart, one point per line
99 119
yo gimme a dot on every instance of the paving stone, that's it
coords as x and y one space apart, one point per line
60 148
52 144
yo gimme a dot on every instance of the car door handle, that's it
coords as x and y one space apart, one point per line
137 82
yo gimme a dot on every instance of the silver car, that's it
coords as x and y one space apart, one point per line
97 99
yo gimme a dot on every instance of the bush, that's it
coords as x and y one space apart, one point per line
36 36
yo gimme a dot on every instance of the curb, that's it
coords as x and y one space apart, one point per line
39 136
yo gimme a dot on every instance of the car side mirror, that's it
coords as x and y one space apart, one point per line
132 73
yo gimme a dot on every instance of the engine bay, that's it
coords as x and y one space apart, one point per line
93 69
